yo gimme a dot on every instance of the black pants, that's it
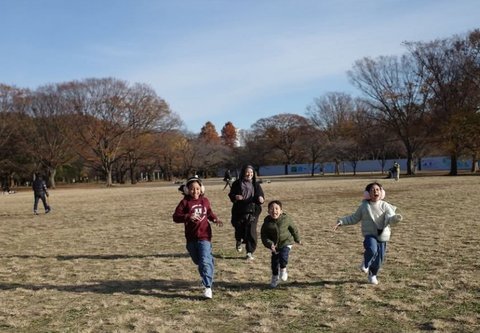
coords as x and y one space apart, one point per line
40 196
246 230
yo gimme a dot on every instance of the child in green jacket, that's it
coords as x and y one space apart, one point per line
278 234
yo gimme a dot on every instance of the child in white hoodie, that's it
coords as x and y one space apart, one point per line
376 216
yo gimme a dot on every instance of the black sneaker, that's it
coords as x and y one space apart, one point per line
47 210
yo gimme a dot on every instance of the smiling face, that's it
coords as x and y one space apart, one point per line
194 189
248 174
274 210
375 193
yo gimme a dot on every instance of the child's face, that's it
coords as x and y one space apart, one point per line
194 189
375 193
274 211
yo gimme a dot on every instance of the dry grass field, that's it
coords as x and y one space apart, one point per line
112 260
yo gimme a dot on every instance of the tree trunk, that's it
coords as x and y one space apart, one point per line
410 164
453 165
109 177
51 175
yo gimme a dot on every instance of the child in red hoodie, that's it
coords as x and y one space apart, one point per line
195 212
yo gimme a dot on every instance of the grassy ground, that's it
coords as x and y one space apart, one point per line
112 260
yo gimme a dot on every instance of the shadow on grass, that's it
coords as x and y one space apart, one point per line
122 256
164 288
100 256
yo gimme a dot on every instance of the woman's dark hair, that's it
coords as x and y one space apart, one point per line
275 202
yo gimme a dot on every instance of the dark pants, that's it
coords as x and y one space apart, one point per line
40 196
246 231
280 259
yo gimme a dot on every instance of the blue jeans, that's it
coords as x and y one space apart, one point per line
280 259
374 254
201 254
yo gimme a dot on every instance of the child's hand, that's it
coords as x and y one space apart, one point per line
219 223
397 218
195 217
273 248
239 197
339 223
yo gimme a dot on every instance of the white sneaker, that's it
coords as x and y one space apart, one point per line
372 279
283 274
274 281
250 256
238 246
208 293
363 268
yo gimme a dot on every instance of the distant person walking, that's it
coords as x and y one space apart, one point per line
40 192
195 212
376 216
227 178
396 167
247 197
278 235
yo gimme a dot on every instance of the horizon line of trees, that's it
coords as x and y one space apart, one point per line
426 101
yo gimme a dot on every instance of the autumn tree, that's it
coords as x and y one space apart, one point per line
229 135
209 134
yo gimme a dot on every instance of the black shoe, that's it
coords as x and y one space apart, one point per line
238 246
47 210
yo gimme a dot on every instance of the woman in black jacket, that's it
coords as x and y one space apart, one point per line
247 197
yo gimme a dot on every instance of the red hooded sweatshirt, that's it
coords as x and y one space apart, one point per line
201 229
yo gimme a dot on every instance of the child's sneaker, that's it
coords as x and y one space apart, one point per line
363 268
208 293
250 256
372 279
274 282
283 274
238 246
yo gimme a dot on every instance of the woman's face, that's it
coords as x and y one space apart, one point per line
194 189
375 193
248 174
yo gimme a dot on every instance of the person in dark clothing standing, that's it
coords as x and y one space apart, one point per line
247 197
40 192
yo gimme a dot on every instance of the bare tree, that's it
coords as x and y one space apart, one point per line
282 132
102 121
146 114
397 97
51 142
332 114
455 92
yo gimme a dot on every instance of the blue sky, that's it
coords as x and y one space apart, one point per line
217 60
